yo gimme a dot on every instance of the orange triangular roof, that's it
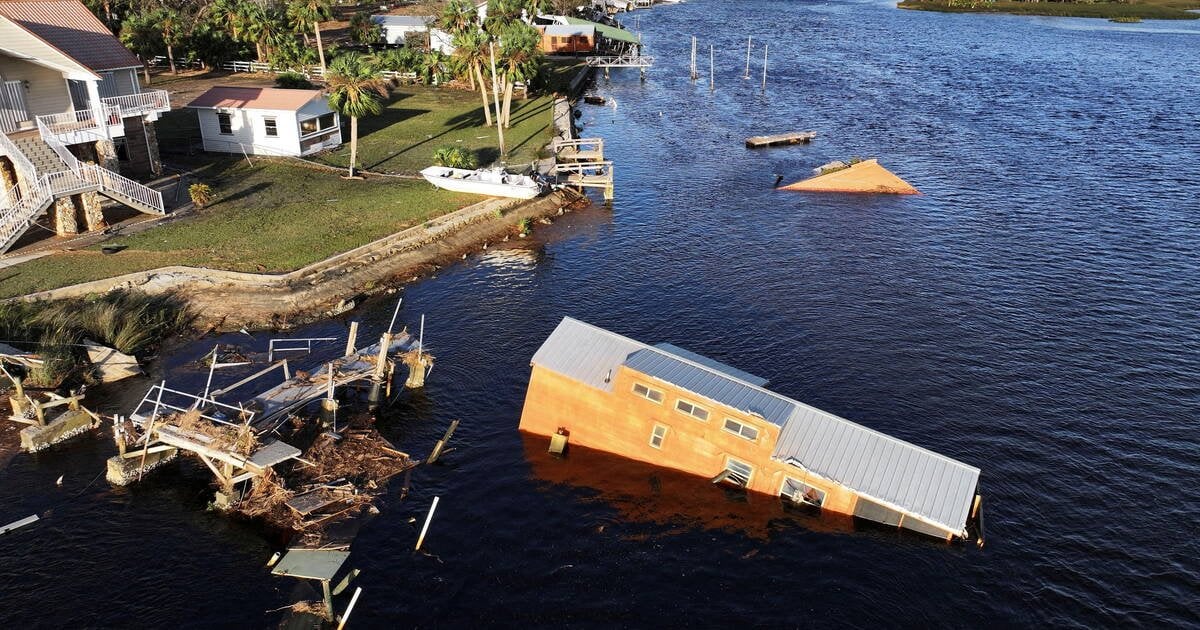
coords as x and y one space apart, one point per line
864 177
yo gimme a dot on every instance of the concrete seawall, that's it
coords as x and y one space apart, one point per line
233 299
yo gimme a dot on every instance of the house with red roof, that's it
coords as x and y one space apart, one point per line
73 118
266 121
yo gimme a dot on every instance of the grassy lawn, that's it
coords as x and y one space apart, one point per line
1145 9
270 217
419 120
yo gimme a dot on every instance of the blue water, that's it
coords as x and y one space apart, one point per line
1035 312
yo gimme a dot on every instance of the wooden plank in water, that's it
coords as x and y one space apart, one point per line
306 504
796 137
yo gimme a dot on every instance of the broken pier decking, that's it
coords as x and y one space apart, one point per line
579 149
796 137
259 415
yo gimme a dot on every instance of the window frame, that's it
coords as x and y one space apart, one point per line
271 126
749 476
227 119
692 414
821 494
654 433
742 426
648 395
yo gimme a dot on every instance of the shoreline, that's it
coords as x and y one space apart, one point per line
1105 10
229 299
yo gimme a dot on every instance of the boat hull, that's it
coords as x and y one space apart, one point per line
477 187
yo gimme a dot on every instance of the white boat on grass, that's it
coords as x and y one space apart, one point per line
490 182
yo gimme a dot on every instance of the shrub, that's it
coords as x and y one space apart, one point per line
201 194
524 225
455 157
293 81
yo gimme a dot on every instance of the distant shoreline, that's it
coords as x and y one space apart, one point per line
1146 9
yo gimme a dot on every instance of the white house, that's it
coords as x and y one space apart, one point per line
397 27
266 121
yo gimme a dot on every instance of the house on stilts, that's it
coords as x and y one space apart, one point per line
670 407
72 114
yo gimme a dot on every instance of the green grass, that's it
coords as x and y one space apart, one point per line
1144 9
419 120
271 217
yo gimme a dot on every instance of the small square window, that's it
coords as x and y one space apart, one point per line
272 130
225 123
657 437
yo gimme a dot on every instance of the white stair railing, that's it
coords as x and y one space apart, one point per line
108 181
113 182
22 202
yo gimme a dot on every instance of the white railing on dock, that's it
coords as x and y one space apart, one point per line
153 405
301 345
146 102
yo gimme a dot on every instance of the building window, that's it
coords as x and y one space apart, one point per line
741 430
800 492
313 125
225 123
692 410
738 473
272 130
657 437
647 393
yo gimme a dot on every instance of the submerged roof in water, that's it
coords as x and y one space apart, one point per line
900 475
866 176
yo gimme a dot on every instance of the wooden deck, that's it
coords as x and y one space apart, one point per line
796 137
579 150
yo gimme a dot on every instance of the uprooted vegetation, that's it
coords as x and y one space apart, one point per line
130 321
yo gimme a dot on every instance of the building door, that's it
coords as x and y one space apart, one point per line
79 94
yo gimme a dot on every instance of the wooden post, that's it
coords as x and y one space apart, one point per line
119 435
349 608
764 87
712 77
441 444
748 41
425 528
18 401
328 599
150 429
694 75
352 338
496 96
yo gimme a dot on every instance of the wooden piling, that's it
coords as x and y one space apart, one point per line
350 340
748 41
441 444
425 528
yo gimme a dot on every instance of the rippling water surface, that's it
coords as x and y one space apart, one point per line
1034 313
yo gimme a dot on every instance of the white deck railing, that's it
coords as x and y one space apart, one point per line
80 125
141 103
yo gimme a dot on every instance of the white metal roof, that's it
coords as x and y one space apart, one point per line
918 482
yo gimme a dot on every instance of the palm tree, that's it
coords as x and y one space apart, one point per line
263 25
307 14
472 48
458 17
501 13
519 52
170 23
229 13
355 89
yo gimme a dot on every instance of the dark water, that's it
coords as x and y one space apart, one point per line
1034 313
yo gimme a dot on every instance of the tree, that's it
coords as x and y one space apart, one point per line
261 24
472 48
520 57
306 14
170 24
140 34
355 90
501 13
458 17
364 30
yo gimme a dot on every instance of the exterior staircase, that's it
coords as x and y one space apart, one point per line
48 170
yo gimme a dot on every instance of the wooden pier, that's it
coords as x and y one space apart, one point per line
578 150
597 174
235 441
797 137
641 62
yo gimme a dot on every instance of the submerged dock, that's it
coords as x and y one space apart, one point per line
796 137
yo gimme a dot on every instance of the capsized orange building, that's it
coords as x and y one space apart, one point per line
670 407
